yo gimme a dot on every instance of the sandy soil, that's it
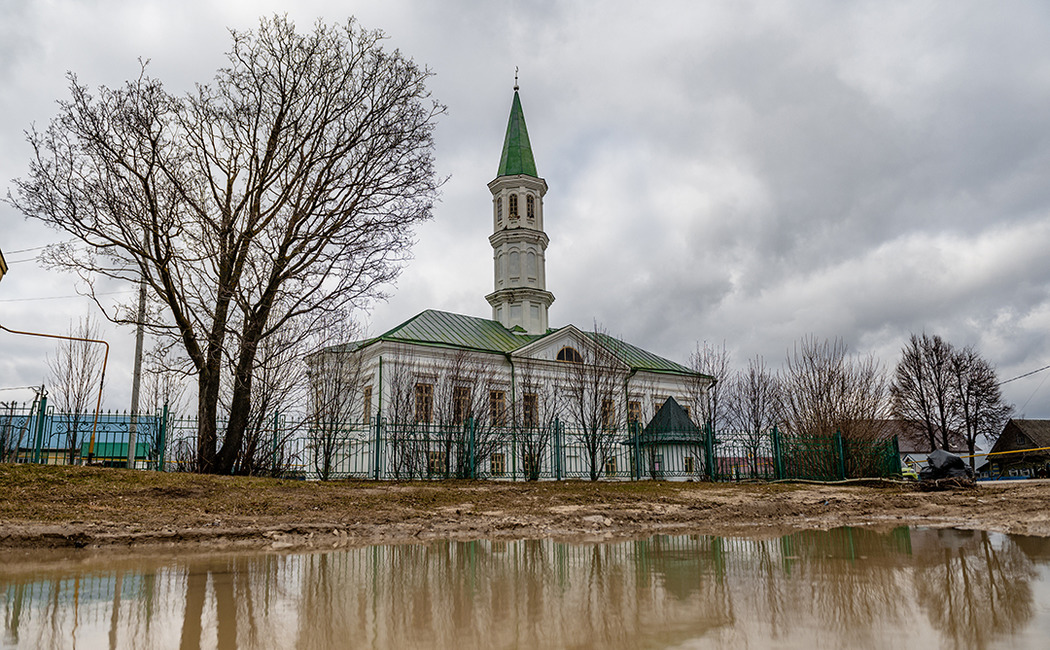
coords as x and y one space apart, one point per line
64 507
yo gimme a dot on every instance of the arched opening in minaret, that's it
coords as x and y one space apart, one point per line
530 207
513 206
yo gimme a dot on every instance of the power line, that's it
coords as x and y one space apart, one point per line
78 295
1027 374
36 248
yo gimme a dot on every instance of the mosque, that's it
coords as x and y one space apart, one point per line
513 371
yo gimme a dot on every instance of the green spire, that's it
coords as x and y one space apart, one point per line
517 152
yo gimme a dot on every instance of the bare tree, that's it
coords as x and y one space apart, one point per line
709 399
287 188
979 402
922 387
164 380
825 390
536 417
403 437
594 388
753 406
76 371
335 396
460 411
279 385
164 384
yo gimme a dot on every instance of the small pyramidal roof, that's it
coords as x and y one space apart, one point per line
517 152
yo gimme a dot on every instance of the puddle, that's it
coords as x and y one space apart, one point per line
840 588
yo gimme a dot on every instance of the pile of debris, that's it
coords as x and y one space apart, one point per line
945 471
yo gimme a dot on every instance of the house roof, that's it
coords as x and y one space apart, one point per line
912 437
517 152
446 329
1023 434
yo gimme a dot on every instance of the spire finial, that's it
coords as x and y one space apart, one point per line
515 78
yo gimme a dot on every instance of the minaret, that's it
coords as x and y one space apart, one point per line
518 242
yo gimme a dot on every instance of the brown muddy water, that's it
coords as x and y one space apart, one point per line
846 587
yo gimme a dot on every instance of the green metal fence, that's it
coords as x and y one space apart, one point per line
36 433
279 445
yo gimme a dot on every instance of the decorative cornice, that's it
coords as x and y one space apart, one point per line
519 234
519 294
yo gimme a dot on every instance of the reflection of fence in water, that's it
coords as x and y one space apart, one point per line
484 593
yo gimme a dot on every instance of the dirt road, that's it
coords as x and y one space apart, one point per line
56 507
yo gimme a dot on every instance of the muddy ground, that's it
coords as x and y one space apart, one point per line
61 507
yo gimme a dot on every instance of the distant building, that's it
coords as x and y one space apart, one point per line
1030 439
914 442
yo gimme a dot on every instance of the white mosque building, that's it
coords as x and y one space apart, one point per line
540 400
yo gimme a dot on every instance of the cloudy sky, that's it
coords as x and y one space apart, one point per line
747 172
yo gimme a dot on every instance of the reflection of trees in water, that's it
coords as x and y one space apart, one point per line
974 591
853 592
842 587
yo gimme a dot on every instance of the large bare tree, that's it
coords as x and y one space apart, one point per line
979 402
287 188
922 389
76 372
826 390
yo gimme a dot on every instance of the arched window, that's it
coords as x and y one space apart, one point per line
499 209
513 207
569 355
530 207
515 264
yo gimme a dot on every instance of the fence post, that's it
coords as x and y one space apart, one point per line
557 449
895 467
778 455
40 429
273 458
514 453
637 450
470 449
163 439
841 455
375 449
709 442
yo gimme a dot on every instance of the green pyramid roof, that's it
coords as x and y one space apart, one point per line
517 152
671 424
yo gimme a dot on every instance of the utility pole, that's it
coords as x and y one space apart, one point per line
136 379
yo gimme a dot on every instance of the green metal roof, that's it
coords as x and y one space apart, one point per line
443 328
114 449
671 424
517 152
637 358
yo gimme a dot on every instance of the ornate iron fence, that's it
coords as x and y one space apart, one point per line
378 450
